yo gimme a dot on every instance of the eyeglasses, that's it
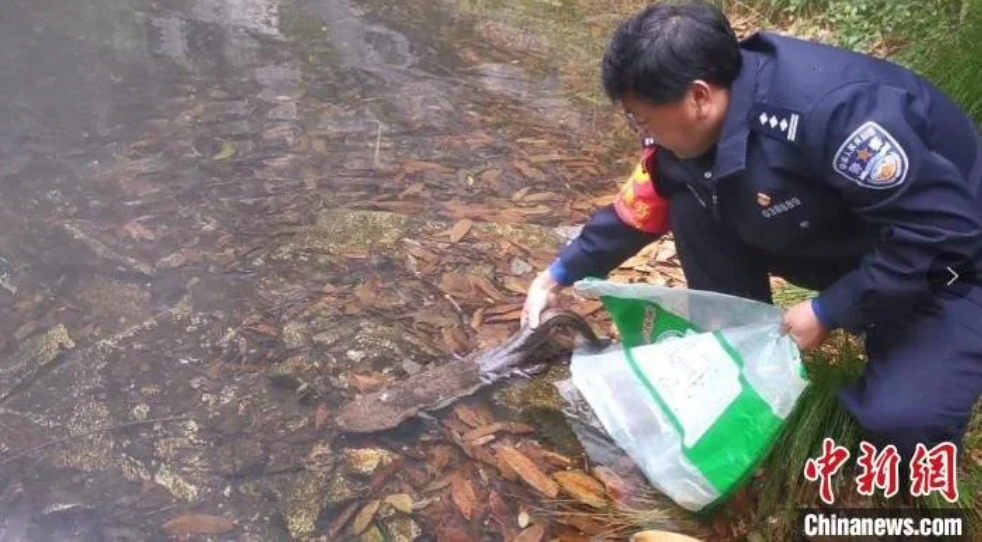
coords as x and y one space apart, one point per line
646 140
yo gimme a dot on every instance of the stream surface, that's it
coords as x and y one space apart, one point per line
222 219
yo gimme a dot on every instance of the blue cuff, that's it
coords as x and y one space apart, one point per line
559 273
820 314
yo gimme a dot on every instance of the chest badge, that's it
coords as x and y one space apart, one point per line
763 199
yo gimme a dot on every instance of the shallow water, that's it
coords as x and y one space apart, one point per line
214 212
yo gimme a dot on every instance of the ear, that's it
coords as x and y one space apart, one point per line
701 94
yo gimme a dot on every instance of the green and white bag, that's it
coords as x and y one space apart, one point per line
697 390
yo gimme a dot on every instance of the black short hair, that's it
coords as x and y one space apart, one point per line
658 52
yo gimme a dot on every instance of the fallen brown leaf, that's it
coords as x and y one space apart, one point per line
365 516
367 383
453 340
517 285
412 190
617 487
403 502
492 174
569 534
138 231
533 534
502 514
199 524
439 456
555 459
584 524
340 521
517 196
587 308
471 415
502 308
582 487
542 196
509 316
662 536
489 429
537 210
479 453
415 166
527 170
456 285
463 495
421 253
478 442
528 471
382 475
176 259
437 485
486 286
551 157
460 229
477 319
264 329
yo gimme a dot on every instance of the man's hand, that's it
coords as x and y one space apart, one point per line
541 295
801 323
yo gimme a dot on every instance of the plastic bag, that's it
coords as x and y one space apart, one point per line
695 393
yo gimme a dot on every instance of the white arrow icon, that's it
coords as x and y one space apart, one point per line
954 276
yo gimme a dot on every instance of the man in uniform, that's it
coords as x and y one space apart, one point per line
839 172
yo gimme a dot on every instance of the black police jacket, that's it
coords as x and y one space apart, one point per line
825 154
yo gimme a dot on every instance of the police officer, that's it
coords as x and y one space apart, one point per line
842 173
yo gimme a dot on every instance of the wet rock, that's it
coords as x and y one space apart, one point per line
341 489
520 267
383 346
338 230
487 271
537 238
231 423
364 461
304 503
335 333
290 373
411 367
294 335
401 529
286 111
35 354
81 238
113 299
240 457
537 402
233 128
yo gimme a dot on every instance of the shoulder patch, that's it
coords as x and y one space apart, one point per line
775 122
872 158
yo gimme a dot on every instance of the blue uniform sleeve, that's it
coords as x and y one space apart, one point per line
873 144
605 242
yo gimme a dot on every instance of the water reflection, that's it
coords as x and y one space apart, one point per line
219 217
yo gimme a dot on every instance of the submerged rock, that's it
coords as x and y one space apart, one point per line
304 503
365 461
337 231
401 529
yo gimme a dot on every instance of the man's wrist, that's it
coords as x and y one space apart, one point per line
821 315
559 274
